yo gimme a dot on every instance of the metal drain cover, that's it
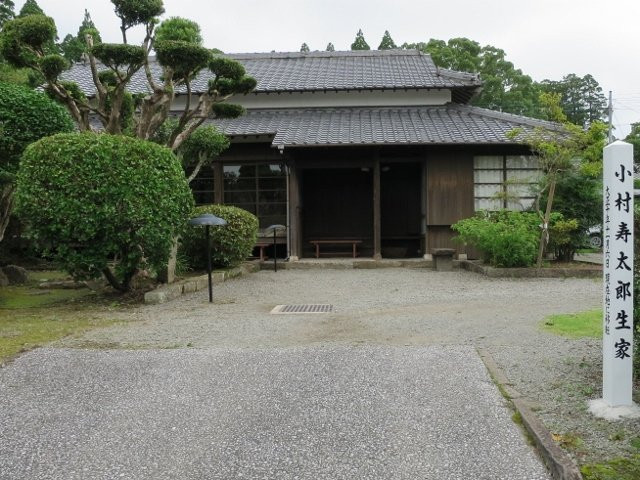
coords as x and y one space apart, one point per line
304 308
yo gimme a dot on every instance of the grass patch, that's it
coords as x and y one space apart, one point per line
21 331
575 325
25 297
31 317
616 469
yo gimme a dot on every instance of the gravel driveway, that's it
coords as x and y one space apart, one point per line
389 385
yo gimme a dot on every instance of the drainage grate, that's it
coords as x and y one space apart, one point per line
305 308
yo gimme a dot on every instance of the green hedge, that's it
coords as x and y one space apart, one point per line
97 200
505 238
231 244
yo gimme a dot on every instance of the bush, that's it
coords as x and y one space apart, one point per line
26 116
231 244
511 239
99 201
505 238
577 197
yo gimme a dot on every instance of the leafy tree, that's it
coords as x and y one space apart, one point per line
557 150
304 48
360 43
25 116
7 11
582 99
634 139
30 7
505 88
205 144
387 42
178 51
73 48
330 47
98 200
577 196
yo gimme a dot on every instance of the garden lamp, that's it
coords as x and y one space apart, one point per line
208 220
274 229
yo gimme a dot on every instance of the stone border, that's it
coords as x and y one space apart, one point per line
166 293
559 463
475 266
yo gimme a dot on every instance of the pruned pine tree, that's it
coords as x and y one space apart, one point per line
360 43
178 46
304 48
330 47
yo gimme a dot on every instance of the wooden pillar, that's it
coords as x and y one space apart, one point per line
426 253
218 183
294 212
377 235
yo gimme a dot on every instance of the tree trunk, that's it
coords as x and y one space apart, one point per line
544 235
6 206
113 281
168 275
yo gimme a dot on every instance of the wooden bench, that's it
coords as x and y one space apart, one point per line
262 245
354 246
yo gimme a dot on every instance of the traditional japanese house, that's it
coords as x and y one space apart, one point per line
379 147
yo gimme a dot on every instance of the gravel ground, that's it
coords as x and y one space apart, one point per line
333 412
402 307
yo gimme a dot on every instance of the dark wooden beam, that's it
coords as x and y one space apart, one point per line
294 212
218 183
377 236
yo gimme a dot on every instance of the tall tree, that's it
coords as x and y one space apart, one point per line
304 47
330 47
387 42
634 139
73 48
30 7
7 11
557 151
178 48
360 43
582 99
505 87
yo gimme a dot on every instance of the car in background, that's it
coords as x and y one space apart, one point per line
595 237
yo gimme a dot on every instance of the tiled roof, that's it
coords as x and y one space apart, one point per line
448 124
313 71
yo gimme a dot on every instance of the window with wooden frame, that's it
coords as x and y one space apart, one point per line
258 188
505 181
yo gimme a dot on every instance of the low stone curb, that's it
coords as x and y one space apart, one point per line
561 466
348 265
593 272
166 293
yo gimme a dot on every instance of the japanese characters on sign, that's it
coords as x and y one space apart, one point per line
617 273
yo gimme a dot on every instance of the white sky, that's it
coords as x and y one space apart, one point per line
544 38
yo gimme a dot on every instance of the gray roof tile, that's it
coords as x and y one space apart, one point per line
448 124
312 71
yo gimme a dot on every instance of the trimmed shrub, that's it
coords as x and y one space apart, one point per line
511 239
505 238
26 116
231 244
97 201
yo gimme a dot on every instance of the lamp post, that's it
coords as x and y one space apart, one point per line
274 229
207 220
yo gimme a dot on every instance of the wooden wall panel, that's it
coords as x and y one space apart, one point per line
449 187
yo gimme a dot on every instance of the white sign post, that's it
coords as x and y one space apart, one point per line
617 347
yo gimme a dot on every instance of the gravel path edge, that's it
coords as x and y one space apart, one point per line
561 466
